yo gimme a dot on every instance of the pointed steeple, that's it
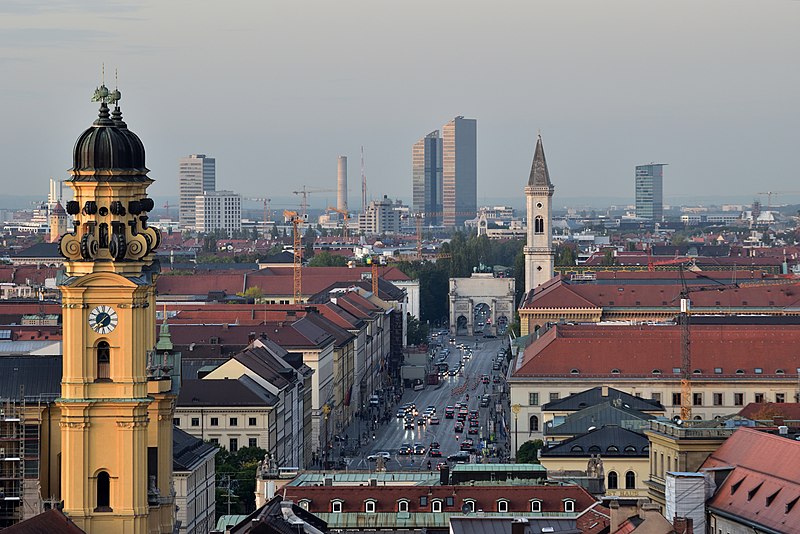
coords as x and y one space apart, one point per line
539 177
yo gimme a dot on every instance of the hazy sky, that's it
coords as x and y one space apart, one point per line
275 90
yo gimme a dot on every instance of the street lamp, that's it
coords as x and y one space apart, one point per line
326 409
516 408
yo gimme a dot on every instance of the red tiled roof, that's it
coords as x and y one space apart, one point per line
594 520
485 497
636 350
49 522
764 486
789 411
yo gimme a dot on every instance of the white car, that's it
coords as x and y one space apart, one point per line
382 454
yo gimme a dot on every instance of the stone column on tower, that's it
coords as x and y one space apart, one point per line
539 257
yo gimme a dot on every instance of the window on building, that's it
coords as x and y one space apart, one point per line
195 421
176 421
569 505
717 399
448 501
656 397
697 399
214 441
533 399
470 506
402 506
553 396
304 504
251 421
103 361
502 506
613 482
423 501
738 399
538 225
233 421
536 506
436 506
252 442
534 424
369 507
214 421
103 492
234 445
676 399
780 397
336 507
630 480
759 397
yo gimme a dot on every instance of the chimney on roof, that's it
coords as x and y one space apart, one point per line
444 475
778 420
263 335
604 391
518 525
682 525
251 337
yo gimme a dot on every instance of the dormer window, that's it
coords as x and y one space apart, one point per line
436 506
569 505
536 505
469 505
304 504
402 506
369 506
336 506
502 506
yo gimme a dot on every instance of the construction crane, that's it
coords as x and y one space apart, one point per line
166 206
294 218
770 194
345 218
373 275
266 203
305 191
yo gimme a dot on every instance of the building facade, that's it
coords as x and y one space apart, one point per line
426 178
380 217
116 423
650 191
196 175
218 211
539 258
459 171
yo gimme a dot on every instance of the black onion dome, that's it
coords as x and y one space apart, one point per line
108 151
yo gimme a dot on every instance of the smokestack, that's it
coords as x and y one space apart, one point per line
341 187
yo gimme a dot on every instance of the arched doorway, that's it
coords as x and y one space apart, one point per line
461 326
481 314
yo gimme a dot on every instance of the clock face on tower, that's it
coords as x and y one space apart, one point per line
103 319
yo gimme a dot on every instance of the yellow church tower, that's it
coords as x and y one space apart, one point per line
116 403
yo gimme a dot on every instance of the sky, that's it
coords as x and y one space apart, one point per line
276 90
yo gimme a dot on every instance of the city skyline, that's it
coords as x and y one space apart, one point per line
359 80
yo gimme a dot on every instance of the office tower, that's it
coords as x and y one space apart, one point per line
196 174
650 191
218 210
539 256
459 171
341 184
426 177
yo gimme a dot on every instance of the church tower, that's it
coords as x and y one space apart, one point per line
116 419
539 262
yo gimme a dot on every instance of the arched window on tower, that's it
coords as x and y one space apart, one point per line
103 361
103 492
538 225
534 424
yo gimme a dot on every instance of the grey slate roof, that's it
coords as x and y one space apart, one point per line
598 442
224 392
39 250
188 451
607 413
268 363
36 375
502 525
594 396
540 177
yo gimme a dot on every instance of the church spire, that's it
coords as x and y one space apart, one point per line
539 177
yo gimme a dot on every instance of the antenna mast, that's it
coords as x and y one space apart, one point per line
363 183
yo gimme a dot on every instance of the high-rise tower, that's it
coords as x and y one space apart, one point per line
341 183
650 191
196 175
116 404
459 171
539 260
426 177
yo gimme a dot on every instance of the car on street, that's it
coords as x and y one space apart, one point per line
419 449
440 465
434 445
436 453
453 372
496 379
484 401
449 412
404 450
421 421
460 457
459 427
401 414
496 366
467 445
434 420
382 454
474 422
409 425
473 430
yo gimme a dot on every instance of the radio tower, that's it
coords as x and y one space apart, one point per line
363 184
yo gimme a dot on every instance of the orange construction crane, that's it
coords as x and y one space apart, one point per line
294 218
373 274
305 191
345 218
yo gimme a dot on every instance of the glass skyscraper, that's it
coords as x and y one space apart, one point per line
426 175
650 191
196 175
459 171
